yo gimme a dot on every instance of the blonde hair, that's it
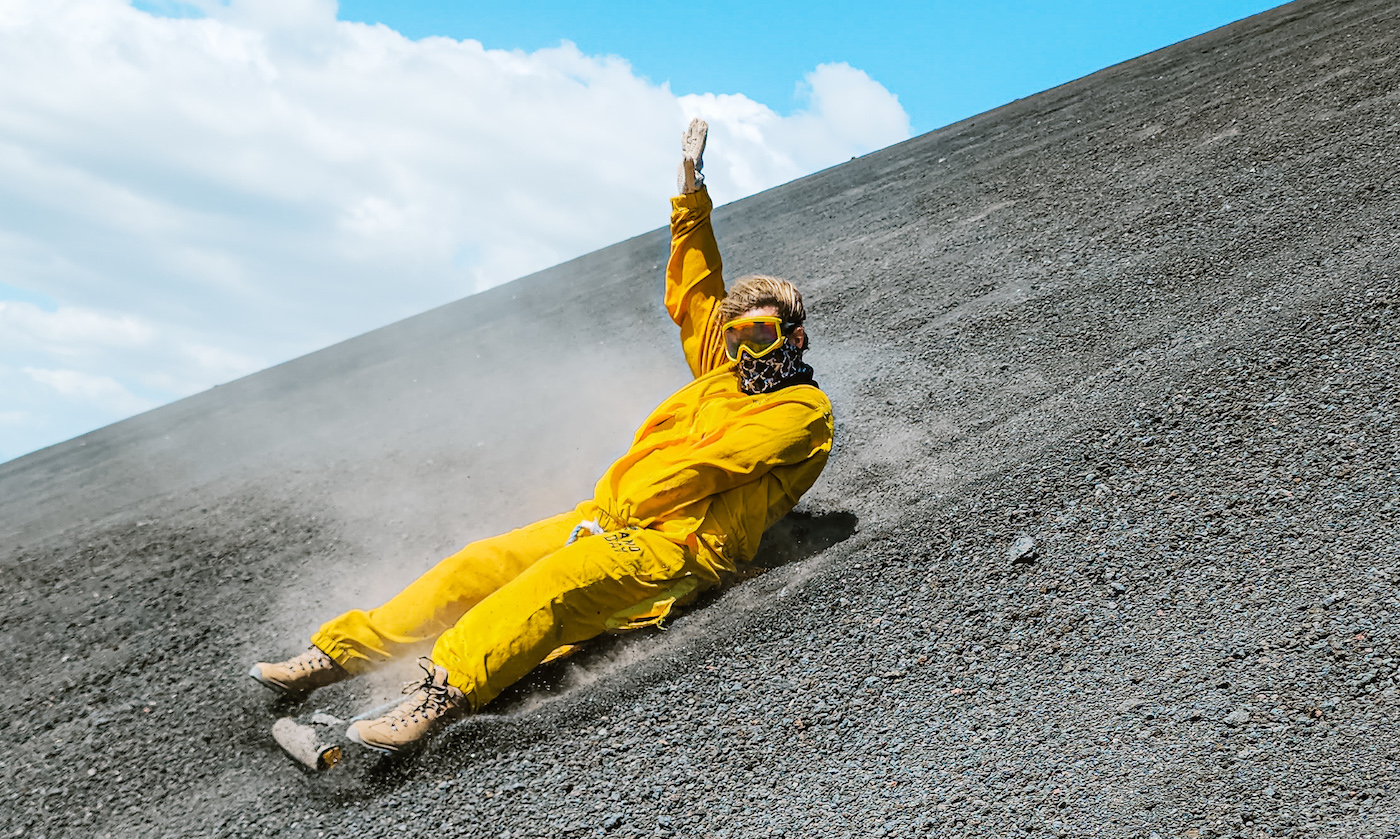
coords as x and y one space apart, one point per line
756 291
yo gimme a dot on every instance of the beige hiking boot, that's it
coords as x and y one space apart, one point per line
433 704
300 674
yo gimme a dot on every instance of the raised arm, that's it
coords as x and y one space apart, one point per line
694 275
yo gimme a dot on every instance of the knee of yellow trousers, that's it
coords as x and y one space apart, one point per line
492 648
358 640
566 598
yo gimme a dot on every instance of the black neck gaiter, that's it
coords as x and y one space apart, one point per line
778 369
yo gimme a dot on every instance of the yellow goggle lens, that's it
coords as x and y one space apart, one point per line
756 336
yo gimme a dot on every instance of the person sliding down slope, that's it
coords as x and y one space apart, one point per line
715 465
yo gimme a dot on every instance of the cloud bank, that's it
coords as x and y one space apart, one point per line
185 201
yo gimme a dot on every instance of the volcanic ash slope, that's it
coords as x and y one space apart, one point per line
1108 544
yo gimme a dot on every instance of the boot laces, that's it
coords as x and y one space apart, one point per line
311 661
428 701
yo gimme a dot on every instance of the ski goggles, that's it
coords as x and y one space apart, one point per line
757 336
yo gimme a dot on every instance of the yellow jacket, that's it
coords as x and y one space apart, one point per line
713 467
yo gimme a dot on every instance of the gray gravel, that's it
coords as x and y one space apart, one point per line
1108 547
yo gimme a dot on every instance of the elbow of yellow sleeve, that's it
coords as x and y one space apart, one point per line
699 200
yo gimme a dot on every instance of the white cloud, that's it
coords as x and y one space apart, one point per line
166 360
68 329
753 148
101 391
204 197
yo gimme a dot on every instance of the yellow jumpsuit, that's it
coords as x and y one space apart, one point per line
709 471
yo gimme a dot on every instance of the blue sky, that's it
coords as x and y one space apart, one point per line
204 188
945 61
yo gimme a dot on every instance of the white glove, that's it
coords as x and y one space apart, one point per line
690 177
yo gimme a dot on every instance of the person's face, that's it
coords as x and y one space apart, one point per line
798 336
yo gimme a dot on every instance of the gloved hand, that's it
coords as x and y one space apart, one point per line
690 178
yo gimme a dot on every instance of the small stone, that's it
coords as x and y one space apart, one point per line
1239 716
1022 551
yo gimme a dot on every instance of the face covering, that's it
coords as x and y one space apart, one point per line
775 370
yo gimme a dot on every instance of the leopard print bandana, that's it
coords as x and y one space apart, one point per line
776 370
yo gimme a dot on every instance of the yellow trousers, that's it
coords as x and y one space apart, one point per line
500 606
